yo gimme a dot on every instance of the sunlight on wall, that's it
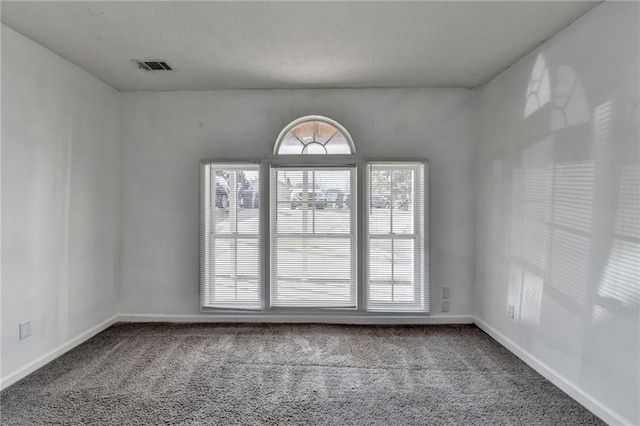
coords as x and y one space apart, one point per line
517 212
559 337
622 273
569 272
530 215
602 147
573 186
564 194
514 289
569 100
559 211
539 88
600 314
627 223
537 184
531 298
572 219
552 218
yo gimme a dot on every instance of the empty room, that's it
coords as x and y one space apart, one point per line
320 213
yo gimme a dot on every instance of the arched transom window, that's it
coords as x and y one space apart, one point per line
314 134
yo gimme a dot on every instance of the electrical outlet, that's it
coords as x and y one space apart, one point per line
445 306
25 330
445 292
511 311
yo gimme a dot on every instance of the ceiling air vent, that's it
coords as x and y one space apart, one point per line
153 65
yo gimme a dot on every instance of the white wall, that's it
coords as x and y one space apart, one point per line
60 201
558 207
167 134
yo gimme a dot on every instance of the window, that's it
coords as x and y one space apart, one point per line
313 237
231 272
314 135
396 264
331 233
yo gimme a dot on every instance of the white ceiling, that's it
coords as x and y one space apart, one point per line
264 45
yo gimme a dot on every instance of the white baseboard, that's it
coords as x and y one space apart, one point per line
11 378
554 377
302 318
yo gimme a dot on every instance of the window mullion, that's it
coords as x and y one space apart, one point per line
270 256
357 187
417 200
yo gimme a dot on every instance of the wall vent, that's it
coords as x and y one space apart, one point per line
153 65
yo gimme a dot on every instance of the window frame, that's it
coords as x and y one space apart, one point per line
415 236
204 239
353 217
312 118
361 230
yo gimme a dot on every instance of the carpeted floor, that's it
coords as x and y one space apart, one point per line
140 374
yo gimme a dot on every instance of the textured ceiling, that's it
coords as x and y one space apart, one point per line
248 45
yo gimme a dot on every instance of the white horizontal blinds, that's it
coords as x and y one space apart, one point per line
232 264
397 271
205 231
313 237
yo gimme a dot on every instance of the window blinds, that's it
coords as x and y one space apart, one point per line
313 237
231 264
313 240
397 267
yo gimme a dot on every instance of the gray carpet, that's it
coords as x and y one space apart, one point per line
139 374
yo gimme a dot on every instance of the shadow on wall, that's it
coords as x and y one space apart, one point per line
573 242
